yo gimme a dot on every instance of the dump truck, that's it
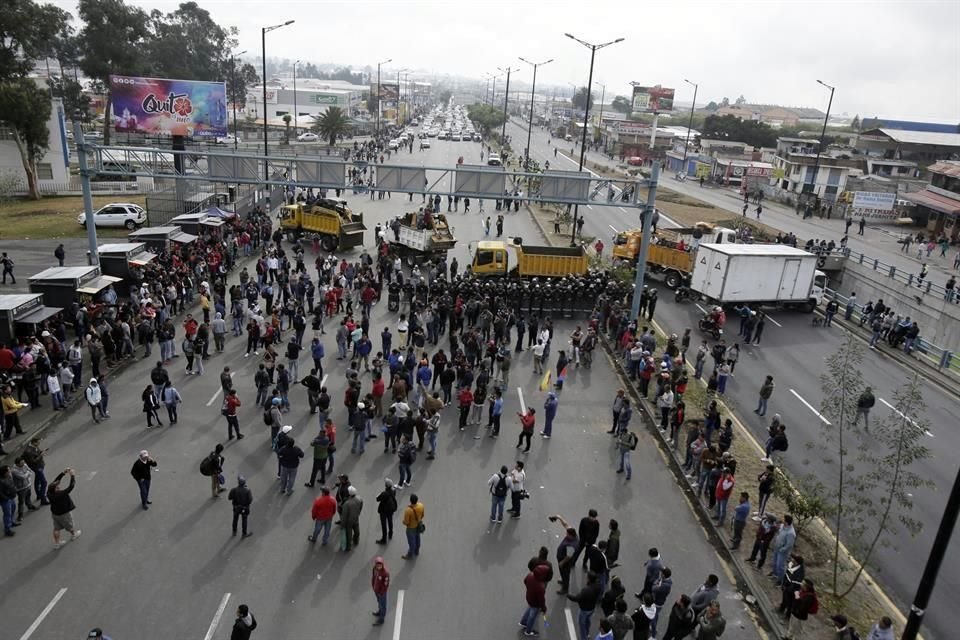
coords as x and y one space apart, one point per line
758 274
672 251
337 225
492 259
417 237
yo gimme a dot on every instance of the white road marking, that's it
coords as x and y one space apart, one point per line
702 310
43 614
571 628
523 407
323 382
218 391
398 616
216 618
910 420
809 406
773 321
614 228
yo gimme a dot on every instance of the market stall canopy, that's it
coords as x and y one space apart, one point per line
96 286
217 212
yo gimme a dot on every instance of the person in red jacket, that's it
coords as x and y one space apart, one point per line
536 585
464 400
322 512
722 493
527 422
380 582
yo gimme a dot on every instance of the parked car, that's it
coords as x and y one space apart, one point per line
227 139
308 137
635 161
425 144
117 214
393 145
494 160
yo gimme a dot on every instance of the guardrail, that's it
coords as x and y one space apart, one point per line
900 275
932 355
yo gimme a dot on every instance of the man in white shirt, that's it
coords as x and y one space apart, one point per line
538 350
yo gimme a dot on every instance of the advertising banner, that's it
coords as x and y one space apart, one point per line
322 98
633 128
172 107
652 99
875 200
389 92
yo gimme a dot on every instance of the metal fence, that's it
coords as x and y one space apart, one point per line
930 354
73 188
900 275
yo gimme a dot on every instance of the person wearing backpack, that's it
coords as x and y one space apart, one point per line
843 630
626 442
497 484
386 508
212 466
805 604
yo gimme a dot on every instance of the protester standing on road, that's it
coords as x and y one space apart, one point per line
386 507
7 263
322 512
171 398
766 390
380 582
515 481
230 404
33 455
535 587
549 413
864 403
213 467
62 506
413 521
150 405
245 623
289 457
350 519
141 473
587 600
241 498
626 442
527 423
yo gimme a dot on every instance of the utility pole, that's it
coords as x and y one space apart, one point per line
533 88
263 51
295 97
823 133
379 106
603 95
93 254
506 97
233 94
683 165
645 243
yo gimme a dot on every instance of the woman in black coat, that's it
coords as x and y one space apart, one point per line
150 405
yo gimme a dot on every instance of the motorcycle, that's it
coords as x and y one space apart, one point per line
682 294
707 325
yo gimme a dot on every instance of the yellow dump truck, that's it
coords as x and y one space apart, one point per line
672 251
492 259
418 236
337 225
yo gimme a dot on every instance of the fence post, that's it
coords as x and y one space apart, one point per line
945 358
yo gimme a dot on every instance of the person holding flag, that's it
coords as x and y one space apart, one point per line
527 422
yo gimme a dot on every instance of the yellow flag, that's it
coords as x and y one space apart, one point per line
545 383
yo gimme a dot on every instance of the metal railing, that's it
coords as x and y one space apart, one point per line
932 355
900 275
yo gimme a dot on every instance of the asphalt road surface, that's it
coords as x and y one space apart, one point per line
175 570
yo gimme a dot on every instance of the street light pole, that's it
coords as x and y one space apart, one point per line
263 52
586 115
506 97
295 97
233 94
533 88
683 165
378 92
603 95
816 163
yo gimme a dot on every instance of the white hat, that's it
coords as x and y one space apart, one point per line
352 490
144 454
45 334
286 428
360 405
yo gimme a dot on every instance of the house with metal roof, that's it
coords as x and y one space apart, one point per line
938 205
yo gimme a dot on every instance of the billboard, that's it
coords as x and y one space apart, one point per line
652 99
876 200
324 98
389 92
173 107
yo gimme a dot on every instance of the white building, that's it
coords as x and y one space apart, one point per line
793 168
312 98
53 169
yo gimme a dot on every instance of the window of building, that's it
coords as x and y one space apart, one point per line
6 133
44 171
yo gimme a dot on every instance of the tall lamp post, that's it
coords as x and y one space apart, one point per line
683 164
233 94
378 91
816 163
586 115
506 97
295 97
263 51
533 88
398 95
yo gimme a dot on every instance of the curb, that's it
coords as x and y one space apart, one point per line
746 585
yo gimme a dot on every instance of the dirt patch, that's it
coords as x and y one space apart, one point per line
54 217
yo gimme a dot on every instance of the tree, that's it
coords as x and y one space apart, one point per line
238 82
741 100
712 106
287 119
27 33
621 104
372 102
855 123
73 96
725 102
331 124
25 108
730 127
580 99
114 40
486 116
871 495
188 44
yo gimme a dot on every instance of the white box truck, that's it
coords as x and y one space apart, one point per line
758 274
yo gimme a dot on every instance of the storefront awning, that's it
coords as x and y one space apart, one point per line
38 315
142 258
183 238
934 201
96 286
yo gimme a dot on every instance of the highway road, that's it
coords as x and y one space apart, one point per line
794 352
175 570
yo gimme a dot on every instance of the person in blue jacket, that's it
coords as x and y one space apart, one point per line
549 413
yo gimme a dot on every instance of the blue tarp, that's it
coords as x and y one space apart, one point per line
217 212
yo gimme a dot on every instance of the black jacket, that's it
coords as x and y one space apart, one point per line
388 502
242 630
588 531
141 470
290 456
588 597
60 500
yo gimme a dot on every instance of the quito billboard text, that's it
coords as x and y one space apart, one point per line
169 107
652 99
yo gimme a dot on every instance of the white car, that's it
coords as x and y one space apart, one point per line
308 137
117 214
425 144
227 139
393 145
494 160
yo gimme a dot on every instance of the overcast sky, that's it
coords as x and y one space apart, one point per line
892 58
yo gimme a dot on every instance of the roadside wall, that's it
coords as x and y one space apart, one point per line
939 320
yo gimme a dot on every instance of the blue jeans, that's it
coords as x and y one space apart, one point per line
432 439
8 506
625 462
779 563
548 426
413 542
144 486
529 618
583 621
762 406
40 484
721 511
405 474
496 507
288 476
318 526
359 441
381 606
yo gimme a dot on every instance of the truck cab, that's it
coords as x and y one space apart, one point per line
490 259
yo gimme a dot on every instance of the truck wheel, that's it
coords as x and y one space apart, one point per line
328 244
811 306
672 280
